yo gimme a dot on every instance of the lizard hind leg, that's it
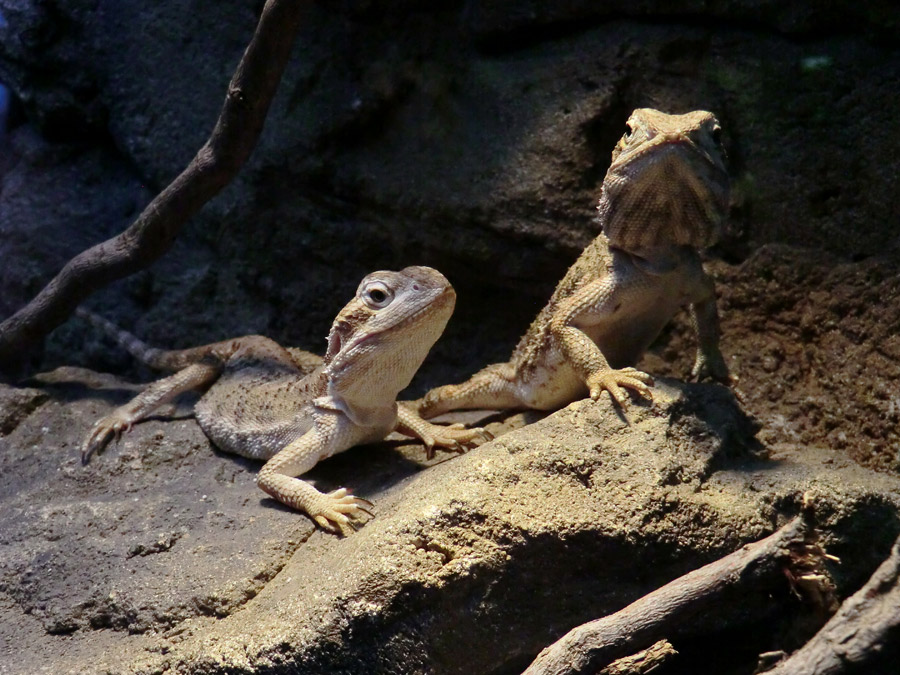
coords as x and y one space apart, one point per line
493 388
122 418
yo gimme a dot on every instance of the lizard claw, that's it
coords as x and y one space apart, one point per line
479 432
341 511
613 381
367 511
364 505
104 430
712 367
453 437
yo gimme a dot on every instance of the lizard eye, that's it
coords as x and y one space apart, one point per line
377 295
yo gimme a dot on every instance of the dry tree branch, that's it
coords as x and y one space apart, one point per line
644 662
864 630
591 646
232 140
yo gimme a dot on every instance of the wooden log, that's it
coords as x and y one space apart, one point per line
862 637
663 613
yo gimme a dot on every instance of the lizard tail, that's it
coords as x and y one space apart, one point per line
159 359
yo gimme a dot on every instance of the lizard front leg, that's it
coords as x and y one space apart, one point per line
334 511
589 306
121 419
705 319
492 388
452 437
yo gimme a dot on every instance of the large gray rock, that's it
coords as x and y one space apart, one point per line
16 404
414 122
495 19
56 201
162 554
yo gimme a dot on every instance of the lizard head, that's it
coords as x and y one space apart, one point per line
667 184
379 340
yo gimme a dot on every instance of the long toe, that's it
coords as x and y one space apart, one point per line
634 373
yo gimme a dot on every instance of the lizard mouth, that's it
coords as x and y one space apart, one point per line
662 146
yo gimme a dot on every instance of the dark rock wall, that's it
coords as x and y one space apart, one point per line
468 136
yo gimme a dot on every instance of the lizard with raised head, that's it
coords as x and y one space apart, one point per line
293 409
663 199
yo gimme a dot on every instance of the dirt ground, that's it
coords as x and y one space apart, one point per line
815 343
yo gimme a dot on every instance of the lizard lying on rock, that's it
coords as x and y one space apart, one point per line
293 409
664 198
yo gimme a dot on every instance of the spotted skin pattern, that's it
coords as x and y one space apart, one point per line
293 409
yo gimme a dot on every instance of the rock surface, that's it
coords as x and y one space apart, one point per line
17 404
815 342
183 565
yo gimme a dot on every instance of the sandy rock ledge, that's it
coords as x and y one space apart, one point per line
471 565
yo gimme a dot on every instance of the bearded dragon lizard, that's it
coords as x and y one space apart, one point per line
293 409
664 197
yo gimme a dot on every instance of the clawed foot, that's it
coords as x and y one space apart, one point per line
340 512
712 367
613 381
104 430
453 437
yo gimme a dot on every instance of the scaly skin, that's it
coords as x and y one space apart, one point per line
663 199
264 403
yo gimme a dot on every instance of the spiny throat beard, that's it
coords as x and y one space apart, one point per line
663 199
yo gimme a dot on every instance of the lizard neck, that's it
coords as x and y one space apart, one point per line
657 260
381 418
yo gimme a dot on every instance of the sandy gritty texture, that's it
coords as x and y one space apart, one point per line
470 566
815 341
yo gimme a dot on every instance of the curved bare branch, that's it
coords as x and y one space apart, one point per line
591 646
232 141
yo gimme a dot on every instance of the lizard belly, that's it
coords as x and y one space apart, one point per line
624 337
253 416
250 435
551 384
